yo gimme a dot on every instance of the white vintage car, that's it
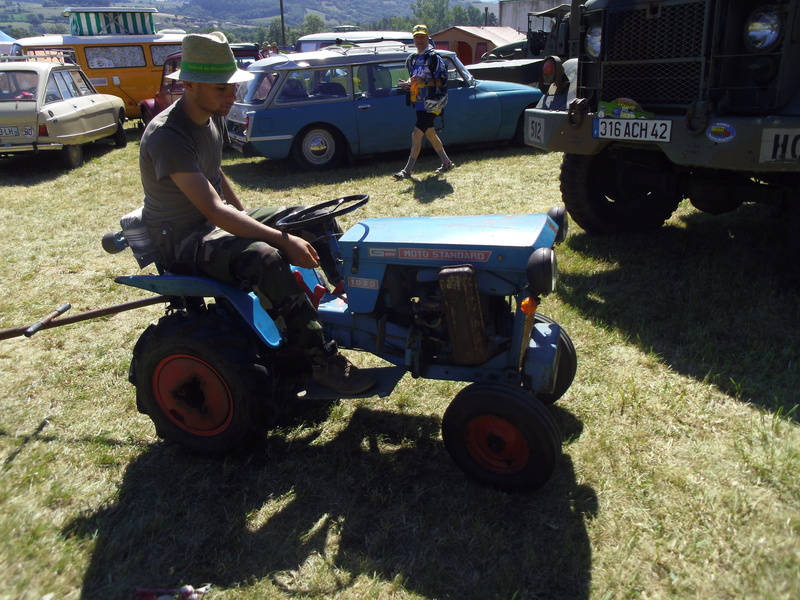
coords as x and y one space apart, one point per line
49 105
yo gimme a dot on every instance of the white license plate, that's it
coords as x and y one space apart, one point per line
639 130
9 131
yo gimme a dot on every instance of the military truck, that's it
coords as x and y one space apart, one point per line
663 100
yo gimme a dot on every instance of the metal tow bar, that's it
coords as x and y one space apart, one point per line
52 319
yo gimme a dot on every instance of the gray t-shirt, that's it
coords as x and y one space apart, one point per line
173 143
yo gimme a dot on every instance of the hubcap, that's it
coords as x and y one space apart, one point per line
192 394
496 445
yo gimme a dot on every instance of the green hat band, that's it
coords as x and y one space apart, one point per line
206 68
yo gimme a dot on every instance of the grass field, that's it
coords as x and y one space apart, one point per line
679 472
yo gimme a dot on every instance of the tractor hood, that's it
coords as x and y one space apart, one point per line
498 246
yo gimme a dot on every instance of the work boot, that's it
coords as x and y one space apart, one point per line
340 375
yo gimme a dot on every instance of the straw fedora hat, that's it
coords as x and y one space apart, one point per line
207 58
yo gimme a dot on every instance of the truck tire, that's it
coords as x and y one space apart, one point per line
604 195
197 380
502 437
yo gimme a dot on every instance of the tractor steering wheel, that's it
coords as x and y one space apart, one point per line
322 212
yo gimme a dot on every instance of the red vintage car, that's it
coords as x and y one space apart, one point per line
171 89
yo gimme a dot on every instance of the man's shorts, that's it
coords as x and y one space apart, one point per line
424 120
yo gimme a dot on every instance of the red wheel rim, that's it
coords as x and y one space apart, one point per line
192 394
496 445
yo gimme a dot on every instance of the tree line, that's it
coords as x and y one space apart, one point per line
436 14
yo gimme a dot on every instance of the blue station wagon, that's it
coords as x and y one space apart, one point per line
320 107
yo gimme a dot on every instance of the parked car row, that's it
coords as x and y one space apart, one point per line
316 108
49 105
171 90
319 107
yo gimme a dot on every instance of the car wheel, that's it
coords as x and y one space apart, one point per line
72 156
196 378
318 148
146 116
120 137
567 364
518 139
605 194
500 436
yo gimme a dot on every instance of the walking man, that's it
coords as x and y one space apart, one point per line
427 81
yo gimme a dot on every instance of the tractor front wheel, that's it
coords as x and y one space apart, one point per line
197 380
501 436
567 364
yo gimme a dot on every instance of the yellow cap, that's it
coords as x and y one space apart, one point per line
419 30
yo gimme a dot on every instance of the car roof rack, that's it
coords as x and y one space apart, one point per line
65 57
369 48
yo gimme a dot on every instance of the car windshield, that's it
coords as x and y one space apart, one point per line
257 90
457 73
18 85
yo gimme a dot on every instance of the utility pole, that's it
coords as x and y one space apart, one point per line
283 28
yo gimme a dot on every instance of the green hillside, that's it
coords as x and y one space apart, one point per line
23 18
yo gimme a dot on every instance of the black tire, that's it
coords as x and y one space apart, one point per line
567 365
518 139
502 437
318 148
120 137
196 379
146 116
607 195
72 156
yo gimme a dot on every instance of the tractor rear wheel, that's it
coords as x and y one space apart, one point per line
501 436
197 379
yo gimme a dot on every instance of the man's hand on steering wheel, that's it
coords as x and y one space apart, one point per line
298 251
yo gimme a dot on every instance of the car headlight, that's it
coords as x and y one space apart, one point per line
594 39
542 271
762 30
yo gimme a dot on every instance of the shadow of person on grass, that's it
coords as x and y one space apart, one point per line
380 500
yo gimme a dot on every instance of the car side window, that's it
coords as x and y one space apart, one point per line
64 87
330 84
294 89
114 57
379 80
52 93
160 52
81 86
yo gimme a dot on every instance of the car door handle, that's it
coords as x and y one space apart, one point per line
364 106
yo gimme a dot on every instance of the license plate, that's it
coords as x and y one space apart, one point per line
638 130
9 131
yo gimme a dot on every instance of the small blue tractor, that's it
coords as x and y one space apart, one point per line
446 298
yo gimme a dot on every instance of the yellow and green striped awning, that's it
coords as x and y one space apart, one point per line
104 21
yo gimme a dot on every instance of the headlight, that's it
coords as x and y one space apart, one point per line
762 30
542 271
594 38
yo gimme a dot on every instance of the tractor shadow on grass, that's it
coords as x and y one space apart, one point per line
379 505
715 300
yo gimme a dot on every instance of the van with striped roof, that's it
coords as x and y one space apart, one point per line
117 48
